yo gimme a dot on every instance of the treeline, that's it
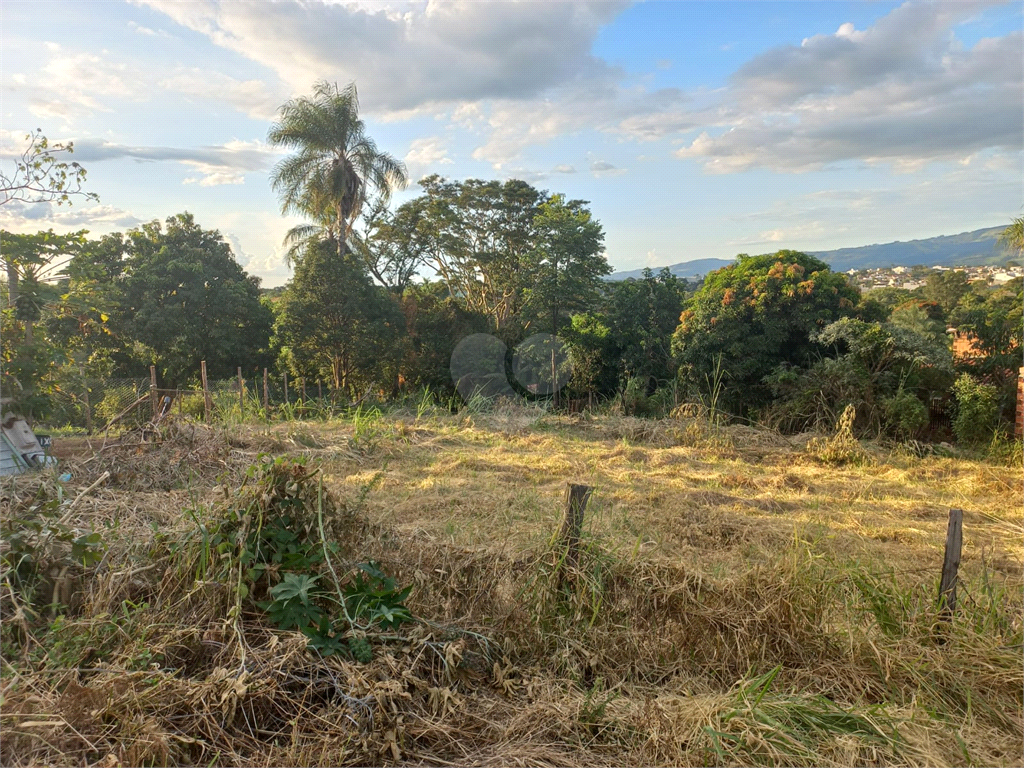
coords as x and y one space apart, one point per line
777 338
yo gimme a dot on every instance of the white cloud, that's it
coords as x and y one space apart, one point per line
451 53
424 155
255 98
72 83
138 28
905 93
601 168
17 216
224 164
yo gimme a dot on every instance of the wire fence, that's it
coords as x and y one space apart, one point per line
96 405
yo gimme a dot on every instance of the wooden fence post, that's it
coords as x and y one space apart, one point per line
88 409
241 393
207 402
286 387
950 564
266 393
319 392
576 498
554 379
152 391
302 386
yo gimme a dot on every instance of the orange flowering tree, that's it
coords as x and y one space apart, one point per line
753 316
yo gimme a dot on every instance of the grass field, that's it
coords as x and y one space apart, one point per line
738 600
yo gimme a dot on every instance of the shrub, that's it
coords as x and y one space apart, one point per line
977 410
904 415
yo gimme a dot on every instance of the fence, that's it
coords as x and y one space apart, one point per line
96 404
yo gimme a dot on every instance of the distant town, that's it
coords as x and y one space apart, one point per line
910 278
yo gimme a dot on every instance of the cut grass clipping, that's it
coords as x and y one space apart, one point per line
736 601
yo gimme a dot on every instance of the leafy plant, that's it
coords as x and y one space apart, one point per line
376 597
293 605
40 541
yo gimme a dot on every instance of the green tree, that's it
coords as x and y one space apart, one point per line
478 236
756 315
568 262
888 297
977 410
886 371
186 299
34 263
335 165
993 318
946 288
1013 236
914 317
628 336
436 324
389 244
333 323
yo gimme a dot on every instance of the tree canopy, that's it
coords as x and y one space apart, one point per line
186 298
752 316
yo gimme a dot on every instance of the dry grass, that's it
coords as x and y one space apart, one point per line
738 602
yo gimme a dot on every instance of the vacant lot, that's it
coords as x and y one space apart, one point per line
738 600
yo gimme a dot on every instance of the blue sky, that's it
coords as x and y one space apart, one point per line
695 129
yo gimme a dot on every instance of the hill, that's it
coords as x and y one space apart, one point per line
687 269
966 249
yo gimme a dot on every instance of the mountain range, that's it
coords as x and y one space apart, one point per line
967 249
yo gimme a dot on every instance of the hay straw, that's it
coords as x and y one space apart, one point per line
710 624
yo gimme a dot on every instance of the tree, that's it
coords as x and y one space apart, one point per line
81 322
886 371
33 263
889 297
334 323
1013 236
568 262
992 318
478 236
336 164
436 323
628 336
947 288
912 316
42 175
187 299
389 245
755 315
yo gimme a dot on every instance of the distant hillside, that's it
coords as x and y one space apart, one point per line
967 249
688 269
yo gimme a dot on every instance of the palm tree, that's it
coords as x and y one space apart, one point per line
335 166
1013 236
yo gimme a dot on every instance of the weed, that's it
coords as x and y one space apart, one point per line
842 447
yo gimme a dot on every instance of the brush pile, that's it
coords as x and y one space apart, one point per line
175 454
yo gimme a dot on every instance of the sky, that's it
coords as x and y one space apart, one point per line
695 129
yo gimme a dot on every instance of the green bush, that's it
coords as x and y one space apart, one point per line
904 415
977 409
636 402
